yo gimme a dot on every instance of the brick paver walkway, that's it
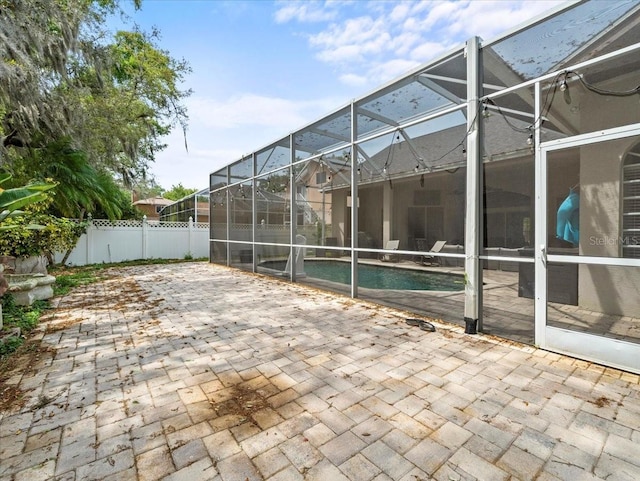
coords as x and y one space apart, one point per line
197 372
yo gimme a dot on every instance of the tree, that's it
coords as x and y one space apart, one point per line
12 200
64 79
38 41
177 192
81 188
147 188
128 113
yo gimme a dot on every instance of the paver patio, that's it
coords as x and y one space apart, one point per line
198 372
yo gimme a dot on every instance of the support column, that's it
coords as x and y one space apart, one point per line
473 224
195 207
293 217
387 212
541 227
227 193
354 201
254 212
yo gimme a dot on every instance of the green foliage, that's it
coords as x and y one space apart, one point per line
67 80
122 200
275 183
10 345
41 39
13 199
136 106
177 192
148 73
73 278
24 317
147 189
81 187
10 201
56 235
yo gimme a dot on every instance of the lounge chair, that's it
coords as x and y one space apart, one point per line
392 245
427 259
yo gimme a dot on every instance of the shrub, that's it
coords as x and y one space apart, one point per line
10 345
24 317
55 235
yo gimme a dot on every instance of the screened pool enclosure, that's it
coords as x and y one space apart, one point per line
511 166
194 206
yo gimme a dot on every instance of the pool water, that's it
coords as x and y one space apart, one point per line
378 277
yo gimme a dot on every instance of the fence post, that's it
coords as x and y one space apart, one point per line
145 236
89 237
190 236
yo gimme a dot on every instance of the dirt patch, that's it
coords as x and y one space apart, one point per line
60 322
128 294
124 295
11 398
601 402
24 361
244 402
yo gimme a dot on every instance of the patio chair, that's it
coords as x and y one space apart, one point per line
427 259
392 245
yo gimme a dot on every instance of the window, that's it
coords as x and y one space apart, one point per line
631 204
426 197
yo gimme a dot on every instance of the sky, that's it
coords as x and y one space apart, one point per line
262 69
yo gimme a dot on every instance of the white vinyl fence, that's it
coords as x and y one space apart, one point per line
125 240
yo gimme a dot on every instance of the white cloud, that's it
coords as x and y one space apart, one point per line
405 43
305 12
366 44
396 34
429 50
400 12
446 12
248 110
354 80
390 69
352 40
486 19
218 127
175 165
343 54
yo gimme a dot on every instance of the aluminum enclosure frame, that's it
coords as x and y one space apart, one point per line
478 95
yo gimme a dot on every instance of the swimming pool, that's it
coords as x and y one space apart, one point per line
377 277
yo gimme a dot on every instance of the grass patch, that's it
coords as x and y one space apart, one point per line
23 317
10 345
65 282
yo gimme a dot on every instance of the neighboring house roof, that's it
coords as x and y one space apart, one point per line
153 201
443 150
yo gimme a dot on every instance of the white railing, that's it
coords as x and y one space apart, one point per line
124 240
